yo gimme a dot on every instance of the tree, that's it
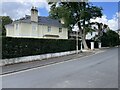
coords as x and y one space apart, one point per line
4 21
101 28
110 38
78 13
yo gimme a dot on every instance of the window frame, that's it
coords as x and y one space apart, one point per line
60 30
49 29
34 27
17 26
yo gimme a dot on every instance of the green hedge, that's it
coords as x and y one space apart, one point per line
18 47
110 39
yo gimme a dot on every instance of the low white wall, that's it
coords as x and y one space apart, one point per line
33 58
92 45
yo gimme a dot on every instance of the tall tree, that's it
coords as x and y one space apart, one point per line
4 21
101 28
110 39
78 13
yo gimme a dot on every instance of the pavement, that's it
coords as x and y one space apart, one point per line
99 70
38 63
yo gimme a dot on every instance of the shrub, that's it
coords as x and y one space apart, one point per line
110 39
17 47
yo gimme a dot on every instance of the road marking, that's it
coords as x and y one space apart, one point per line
51 64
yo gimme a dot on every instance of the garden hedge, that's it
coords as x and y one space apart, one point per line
18 47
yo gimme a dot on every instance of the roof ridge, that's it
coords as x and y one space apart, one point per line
46 20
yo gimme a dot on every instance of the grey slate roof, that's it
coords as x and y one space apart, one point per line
42 21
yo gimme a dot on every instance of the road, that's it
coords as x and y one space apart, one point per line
95 71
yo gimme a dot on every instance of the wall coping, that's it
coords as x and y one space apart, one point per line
34 58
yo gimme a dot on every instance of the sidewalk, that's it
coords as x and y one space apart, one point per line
35 64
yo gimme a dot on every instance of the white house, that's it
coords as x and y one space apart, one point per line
35 26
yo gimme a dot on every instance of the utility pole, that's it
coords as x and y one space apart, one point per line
81 47
77 41
81 40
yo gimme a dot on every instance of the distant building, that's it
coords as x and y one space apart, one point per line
35 26
73 34
89 36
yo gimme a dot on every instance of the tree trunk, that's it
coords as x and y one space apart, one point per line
84 42
83 36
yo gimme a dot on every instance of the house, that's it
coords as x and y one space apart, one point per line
35 26
73 35
75 30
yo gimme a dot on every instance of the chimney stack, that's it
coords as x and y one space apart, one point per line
34 14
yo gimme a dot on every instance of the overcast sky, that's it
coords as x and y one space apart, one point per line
19 8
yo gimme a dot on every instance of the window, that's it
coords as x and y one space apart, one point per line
34 27
49 28
16 26
60 30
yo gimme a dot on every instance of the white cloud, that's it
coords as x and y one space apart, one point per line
112 23
19 8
